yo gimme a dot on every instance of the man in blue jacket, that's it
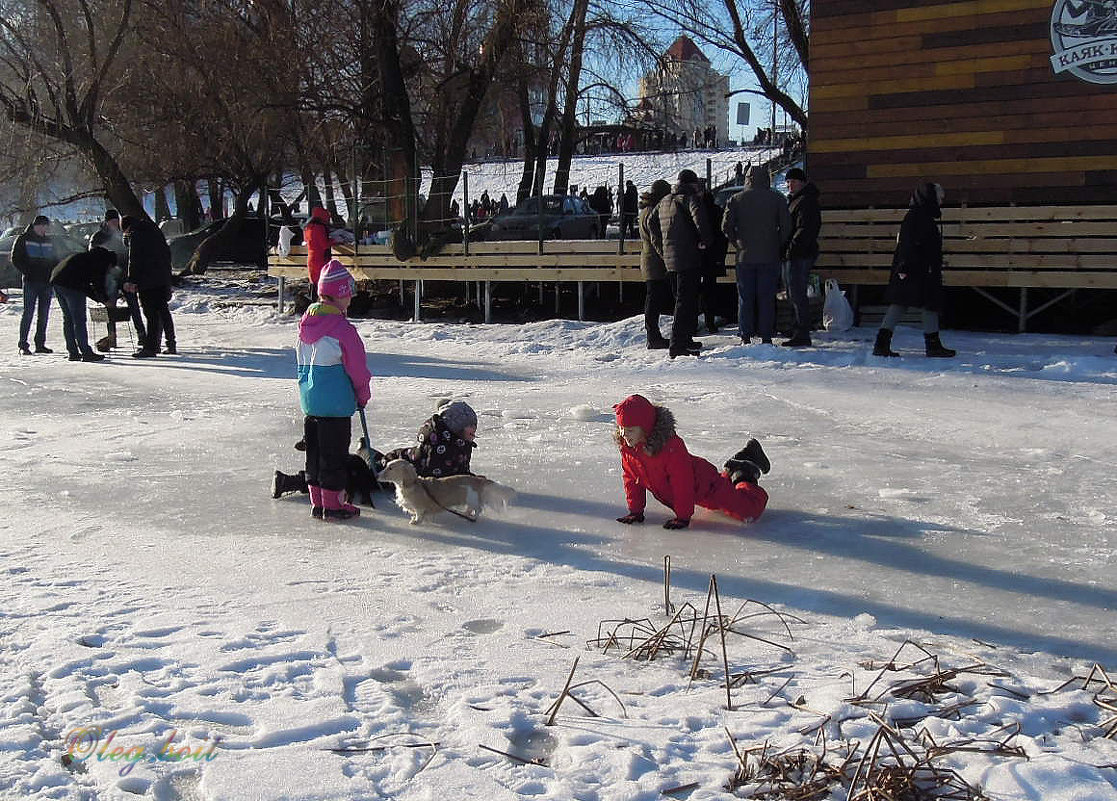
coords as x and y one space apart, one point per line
33 255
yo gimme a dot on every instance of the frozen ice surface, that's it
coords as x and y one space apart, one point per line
151 587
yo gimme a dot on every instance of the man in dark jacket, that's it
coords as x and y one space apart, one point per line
110 237
149 275
602 203
802 250
713 264
680 230
629 204
33 255
91 274
757 221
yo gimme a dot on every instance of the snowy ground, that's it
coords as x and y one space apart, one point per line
153 589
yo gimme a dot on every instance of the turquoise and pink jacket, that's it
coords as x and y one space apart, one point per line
333 374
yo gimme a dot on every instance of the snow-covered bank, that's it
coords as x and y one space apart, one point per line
589 172
151 585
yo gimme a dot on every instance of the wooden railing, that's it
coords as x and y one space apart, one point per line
1066 247
1060 247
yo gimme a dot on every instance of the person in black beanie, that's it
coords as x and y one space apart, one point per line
801 250
33 256
109 236
149 275
680 230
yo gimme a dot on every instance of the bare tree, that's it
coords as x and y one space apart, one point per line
58 59
213 96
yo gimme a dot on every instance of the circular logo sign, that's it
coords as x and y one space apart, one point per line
1084 38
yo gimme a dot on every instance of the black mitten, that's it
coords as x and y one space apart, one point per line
675 522
631 517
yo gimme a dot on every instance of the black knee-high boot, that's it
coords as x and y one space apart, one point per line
883 346
935 348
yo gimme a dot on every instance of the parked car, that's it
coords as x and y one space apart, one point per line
244 245
721 196
65 244
82 231
563 217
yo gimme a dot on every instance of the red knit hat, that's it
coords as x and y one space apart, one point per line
635 410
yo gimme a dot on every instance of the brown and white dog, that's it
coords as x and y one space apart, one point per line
467 496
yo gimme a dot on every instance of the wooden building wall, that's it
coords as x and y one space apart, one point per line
959 92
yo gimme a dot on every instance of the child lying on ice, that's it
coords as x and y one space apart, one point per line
654 459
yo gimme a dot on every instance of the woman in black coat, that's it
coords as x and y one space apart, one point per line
916 279
659 297
713 263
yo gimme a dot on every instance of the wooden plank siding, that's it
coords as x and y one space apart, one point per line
962 93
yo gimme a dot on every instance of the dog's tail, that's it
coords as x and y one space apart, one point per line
497 496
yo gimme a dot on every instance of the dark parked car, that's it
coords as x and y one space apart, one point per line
563 217
65 244
721 196
245 247
242 244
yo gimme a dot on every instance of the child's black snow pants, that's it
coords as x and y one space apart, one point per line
327 450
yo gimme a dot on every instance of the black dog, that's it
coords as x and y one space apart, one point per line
360 482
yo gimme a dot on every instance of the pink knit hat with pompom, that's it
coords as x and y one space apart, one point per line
335 281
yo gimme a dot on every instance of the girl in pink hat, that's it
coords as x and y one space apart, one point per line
655 459
333 383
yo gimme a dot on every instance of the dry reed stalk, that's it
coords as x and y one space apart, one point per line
552 711
513 757
797 774
668 607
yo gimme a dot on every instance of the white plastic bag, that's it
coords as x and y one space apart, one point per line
285 237
837 314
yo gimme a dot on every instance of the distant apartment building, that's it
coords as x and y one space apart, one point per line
684 92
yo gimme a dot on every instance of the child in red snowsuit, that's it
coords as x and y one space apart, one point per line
654 459
316 237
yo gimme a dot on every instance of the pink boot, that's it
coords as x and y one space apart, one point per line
315 501
334 507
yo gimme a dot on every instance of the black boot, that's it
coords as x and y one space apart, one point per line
800 339
883 346
281 483
935 348
752 452
744 471
657 341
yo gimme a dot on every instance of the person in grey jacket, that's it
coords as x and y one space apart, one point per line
757 221
658 296
680 230
33 256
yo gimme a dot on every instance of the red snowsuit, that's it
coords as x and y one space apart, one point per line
678 480
316 237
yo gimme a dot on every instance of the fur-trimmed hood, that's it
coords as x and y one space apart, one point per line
662 430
